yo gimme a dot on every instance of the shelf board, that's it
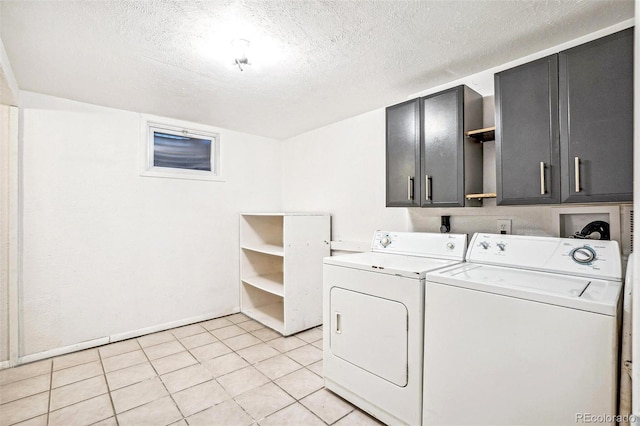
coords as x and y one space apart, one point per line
482 135
282 214
271 283
270 315
271 249
480 196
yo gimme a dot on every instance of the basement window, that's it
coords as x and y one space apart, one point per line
175 152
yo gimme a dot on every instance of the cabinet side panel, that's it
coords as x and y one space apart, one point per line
306 243
472 152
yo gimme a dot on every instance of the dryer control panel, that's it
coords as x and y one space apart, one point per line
423 244
589 258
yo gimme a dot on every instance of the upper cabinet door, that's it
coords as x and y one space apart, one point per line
451 163
596 119
527 134
442 159
403 154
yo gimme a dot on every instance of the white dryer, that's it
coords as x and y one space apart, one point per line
526 332
373 321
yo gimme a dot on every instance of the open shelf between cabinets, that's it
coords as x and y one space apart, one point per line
480 196
482 135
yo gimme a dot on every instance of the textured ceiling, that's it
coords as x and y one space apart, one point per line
314 62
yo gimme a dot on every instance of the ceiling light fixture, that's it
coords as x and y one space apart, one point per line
240 50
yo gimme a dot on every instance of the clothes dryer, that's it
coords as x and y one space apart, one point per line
373 321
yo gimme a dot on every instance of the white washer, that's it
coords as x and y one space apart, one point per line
373 321
525 332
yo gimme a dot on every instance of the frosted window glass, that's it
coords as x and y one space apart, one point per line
181 152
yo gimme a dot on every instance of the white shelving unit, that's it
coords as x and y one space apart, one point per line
281 268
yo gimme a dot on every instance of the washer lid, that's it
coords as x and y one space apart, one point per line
587 294
392 264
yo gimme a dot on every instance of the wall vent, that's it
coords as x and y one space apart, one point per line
626 231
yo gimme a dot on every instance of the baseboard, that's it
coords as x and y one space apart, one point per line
161 327
113 338
63 350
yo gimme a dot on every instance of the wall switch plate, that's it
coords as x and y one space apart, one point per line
504 226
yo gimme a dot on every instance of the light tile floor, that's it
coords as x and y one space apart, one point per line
226 371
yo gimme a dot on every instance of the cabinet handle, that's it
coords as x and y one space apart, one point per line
577 173
427 187
543 190
409 188
338 322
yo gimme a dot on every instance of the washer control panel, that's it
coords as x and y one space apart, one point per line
584 255
594 258
420 244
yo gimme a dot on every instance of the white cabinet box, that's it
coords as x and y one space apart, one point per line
281 268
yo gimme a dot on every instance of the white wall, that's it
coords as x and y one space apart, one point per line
107 252
340 169
8 84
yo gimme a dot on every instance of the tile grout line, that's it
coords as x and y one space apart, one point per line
214 378
296 400
259 341
50 392
233 351
160 378
28 396
159 375
273 381
104 373
255 421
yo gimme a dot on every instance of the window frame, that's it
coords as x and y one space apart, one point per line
151 126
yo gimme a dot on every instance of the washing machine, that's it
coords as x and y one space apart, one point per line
525 332
373 321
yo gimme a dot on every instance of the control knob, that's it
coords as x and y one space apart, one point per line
501 246
451 246
385 241
583 255
484 245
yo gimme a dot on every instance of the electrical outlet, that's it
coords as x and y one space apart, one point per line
504 226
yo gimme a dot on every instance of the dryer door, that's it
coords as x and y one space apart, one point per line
371 333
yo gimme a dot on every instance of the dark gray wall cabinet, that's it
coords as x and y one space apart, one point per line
596 120
527 134
445 163
564 126
403 154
